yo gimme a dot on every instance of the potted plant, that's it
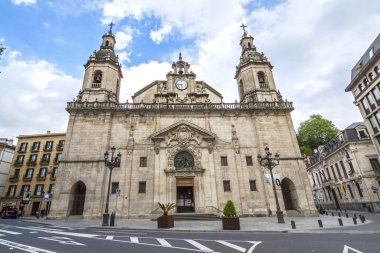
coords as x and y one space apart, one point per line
165 220
230 218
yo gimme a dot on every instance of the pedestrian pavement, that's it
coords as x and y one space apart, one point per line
254 224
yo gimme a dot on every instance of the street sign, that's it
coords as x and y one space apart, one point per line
118 191
46 196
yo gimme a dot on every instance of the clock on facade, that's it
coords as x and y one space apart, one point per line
181 84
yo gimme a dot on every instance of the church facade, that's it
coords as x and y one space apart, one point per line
180 143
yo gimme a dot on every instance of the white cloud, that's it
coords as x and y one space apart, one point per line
312 46
124 56
124 37
141 75
159 35
26 2
35 96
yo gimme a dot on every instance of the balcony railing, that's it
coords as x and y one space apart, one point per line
27 178
18 163
44 161
277 105
31 163
59 147
53 177
56 161
47 148
34 150
41 178
14 178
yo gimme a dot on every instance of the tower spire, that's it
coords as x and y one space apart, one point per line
110 25
243 27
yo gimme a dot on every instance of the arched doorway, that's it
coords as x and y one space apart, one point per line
289 194
77 198
184 161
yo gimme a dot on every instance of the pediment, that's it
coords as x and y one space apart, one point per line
183 131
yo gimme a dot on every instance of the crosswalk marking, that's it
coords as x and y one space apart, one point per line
10 232
199 246
135 239
238 248
24 247
163 242
109 237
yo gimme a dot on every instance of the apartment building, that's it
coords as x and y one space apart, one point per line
6 154
33 172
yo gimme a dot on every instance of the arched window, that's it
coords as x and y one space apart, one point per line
107 43
183 161
249 44
376 70
262 79
361 87
98 76
370 75
365 81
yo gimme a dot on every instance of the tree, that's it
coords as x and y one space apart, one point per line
314 132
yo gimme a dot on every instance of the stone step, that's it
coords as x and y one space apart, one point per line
194 216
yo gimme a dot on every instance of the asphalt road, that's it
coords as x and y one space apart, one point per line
17 236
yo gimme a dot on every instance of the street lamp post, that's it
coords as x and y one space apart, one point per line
269 162
112 163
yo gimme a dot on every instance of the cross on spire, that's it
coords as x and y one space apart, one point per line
110 25
244 26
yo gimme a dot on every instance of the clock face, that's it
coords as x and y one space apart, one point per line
181 84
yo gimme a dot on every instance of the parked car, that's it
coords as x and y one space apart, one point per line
9 213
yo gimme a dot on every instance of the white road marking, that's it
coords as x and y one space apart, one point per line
346 248
24 247
10 232
253 246
1 235
109 237
199 246
63 240
238 248
163 242
61 232
33 232
135 239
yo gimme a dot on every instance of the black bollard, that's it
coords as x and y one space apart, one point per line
327 213
339 214
320 223
362 218
355 216
112 220
340 222
293 224
346 215
354 220
345 210
332 214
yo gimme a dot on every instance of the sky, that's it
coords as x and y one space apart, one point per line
313 45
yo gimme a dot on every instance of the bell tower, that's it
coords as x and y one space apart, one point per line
254 74
103 74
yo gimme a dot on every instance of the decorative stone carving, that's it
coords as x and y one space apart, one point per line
235 140
183 136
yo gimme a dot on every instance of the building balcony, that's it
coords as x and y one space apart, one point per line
56 162
21 151
14 178
34 150
41 178
47 149
96 85
31 163
27 178
18 163
44 162
52 177
59 147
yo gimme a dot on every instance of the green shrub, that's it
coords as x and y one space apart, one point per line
229 210
166 207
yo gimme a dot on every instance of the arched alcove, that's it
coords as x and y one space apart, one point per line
289 194
77 198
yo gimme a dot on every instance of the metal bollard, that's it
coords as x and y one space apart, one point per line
112 220
320 223
332 214
293 224
346 215
327 213
355 216
339 214
362 218
340 222
354 220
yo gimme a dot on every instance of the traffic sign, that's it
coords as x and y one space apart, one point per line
118 191
46 196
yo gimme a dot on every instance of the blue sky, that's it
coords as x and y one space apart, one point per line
313 47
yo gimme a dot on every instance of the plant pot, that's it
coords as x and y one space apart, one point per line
231 223
165 221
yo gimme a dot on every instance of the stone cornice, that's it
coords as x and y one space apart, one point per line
86 107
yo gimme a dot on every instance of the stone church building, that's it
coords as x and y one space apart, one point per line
180 143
